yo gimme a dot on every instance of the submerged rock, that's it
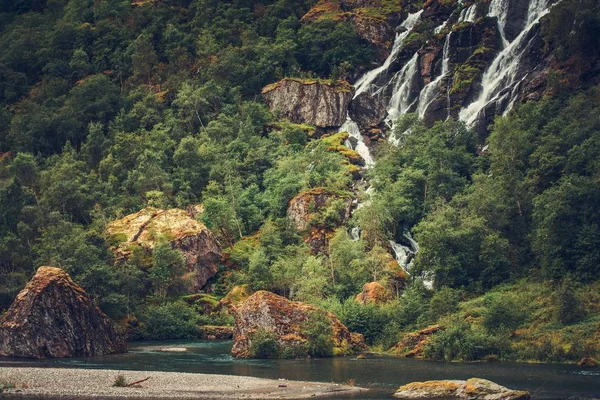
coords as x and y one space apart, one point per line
285 319
472 389
53 317
144 228
321 103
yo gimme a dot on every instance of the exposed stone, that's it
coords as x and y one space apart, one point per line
412 344
270 312
374 293
367 111
53 317
588 362
303 209
471 389
374 30
212 332
186 234
316 102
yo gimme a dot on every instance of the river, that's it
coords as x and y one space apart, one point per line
382 374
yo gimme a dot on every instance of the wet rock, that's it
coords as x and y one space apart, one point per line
374 293
367 111
471 389
321 103
412 344
285 319
186 234
53 317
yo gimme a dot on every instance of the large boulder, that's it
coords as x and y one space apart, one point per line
367 111
374 293
145 228
412 344
269 312
322 103
471 389
307 210
53 317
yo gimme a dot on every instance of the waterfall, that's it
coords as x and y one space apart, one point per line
430 92
405 93
361 148
365 82
468 14
503 75
499 9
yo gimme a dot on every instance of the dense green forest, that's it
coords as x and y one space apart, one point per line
107 107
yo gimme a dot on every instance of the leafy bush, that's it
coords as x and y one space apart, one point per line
170 321
264 344
568 305
502 314
120 381
367 319
444 301
318 331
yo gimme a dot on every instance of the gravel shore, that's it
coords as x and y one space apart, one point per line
93 383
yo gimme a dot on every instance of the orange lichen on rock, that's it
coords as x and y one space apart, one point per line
413 343
374 293
285 318
53 317
471 389
147 227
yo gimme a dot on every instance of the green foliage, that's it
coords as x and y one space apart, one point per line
169 321
367 319
120 381
319 333
502 314
264 344
569 307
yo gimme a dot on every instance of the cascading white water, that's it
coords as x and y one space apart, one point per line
365 82
430 91
361 148
405 87
468 14
502 76
499 9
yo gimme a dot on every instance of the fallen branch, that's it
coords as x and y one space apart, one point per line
137 382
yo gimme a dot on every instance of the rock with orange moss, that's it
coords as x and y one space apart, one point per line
145 228
412 344
471 389
285 319
53 317
374 293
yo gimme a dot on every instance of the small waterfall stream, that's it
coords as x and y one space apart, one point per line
430 92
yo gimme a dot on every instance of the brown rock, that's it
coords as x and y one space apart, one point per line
186 234
413 343
267 311
471 389
588 362
374 293
316 102
367 111
53 317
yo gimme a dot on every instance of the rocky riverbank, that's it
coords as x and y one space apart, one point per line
87 383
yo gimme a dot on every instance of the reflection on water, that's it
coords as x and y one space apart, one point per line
382 374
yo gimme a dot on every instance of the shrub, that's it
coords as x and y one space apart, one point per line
502 314
264 344
170 321
568 304
120 381
318 331
367 319
444 301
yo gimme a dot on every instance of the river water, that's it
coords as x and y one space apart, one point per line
383 374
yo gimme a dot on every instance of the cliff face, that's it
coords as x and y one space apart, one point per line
143 229
270 312
53 317
320 103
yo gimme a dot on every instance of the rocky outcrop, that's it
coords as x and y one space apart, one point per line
306 212
471 389
367 111
412 344
285 319
53 317
321 103
374 293
145 228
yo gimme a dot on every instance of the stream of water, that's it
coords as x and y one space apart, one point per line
382 374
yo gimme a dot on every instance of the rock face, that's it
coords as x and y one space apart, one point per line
273 313
315 102
413 343
53 317
305 208
144 228
472 389
367 111
374 293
